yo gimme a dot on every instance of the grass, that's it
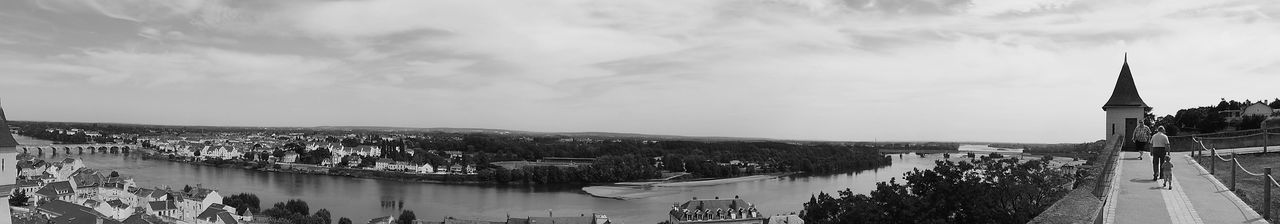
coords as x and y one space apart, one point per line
1250 188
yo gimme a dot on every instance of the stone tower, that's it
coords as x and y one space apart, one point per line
1125 109
8 167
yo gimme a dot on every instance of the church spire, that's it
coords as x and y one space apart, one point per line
1125 93
6 138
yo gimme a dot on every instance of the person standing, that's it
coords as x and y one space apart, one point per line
1141 138
1159 150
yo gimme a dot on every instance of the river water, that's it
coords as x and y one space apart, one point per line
359 199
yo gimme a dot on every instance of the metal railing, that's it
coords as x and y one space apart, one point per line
1241 139
1237 168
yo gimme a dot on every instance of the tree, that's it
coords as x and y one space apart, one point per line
406 217
243 202
1250 122
323 215
344 220
989 191
114 174
297 206
19 199
186 188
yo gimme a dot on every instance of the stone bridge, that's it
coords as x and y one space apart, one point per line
79 148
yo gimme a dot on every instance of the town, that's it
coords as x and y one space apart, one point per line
494 157
68 192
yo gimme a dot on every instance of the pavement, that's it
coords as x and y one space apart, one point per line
1196 197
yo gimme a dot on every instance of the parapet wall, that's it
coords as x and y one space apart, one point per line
1084 204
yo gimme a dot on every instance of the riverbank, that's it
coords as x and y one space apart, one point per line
636 190
460 179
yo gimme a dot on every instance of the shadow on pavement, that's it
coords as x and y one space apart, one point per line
1142 180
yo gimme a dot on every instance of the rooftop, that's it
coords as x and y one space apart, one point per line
1125 93
6 138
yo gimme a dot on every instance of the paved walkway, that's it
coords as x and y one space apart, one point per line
1196 196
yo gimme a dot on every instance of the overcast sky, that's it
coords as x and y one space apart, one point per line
861 70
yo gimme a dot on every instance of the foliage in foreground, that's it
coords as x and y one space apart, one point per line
984 191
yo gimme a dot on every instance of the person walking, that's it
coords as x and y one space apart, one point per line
1166 172
1142 138
1159 150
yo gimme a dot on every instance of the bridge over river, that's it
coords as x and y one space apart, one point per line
78 148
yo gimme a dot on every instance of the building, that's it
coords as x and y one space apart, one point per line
425 168
8 167
786 219
216 214
56 191
289 157
383 164
383 220
66 212
716 210
1125 109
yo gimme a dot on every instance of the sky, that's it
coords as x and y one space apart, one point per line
852 70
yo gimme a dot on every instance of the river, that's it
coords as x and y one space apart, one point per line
359 199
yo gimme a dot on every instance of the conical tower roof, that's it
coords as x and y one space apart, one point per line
6 138
1126 93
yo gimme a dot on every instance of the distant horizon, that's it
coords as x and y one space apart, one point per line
562 132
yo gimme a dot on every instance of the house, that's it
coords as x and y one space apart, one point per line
73 164
457 168
142 219
399 166
162 208
27 187
425 168
224 152
453 154
786 219
56 191
1255 109
330 161
715 210
114 209
112 190
32 170
354 162
206 197
383 220
67 212
289 157
382 164
149 195
215 215
368 151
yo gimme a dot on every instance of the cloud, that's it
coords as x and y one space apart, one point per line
190 66
855 69
132 10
